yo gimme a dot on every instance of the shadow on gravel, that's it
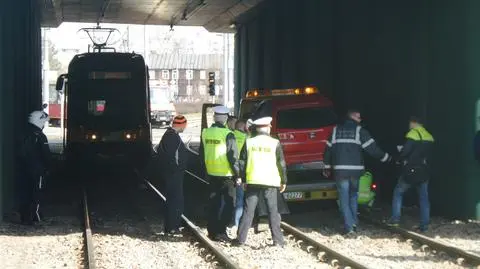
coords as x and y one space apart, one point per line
439 226
329 222
119 202
419 258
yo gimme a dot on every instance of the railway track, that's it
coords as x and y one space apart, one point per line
89 253
223 258
92 250
309 244
324 253
460 255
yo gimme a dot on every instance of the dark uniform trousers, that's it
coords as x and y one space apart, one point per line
251 200
30 198
175 203
218 221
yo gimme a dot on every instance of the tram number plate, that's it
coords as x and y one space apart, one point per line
293 195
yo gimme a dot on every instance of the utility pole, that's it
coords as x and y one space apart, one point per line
46 67
226 90
146 44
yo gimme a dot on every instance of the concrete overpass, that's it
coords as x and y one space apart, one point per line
391 58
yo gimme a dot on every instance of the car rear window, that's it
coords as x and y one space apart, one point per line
256 109
306 118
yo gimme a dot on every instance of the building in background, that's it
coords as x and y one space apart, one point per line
186 75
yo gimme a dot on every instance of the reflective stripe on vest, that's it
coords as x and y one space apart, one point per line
214 140
262 161
355 140
240 139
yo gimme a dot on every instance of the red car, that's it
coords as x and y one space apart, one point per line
303 120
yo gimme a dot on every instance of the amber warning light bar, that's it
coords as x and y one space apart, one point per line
281 92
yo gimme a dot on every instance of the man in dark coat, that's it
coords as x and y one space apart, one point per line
172 158
344 156
33 162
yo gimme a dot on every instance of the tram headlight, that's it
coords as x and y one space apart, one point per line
93 137
128 136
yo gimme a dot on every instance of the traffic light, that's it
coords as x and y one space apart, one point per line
211 83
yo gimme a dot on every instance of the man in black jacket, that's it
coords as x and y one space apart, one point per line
414 158
344 156
173 156
33 164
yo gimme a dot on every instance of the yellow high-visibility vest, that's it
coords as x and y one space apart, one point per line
240 139
420 133
214 141
262 161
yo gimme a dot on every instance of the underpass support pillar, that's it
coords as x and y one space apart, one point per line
20 85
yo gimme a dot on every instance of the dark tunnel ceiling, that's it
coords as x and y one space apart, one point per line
214 15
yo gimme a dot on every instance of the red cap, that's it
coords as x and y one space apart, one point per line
179 121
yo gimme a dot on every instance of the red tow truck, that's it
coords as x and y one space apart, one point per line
303 120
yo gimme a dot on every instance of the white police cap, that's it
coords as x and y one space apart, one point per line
263 121
221 110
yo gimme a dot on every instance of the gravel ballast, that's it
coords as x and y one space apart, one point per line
55 245
136 249
127 229
464 234
259 253
372 246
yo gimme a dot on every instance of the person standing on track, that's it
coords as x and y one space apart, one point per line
231 121
414 159
218 150
240 137
173 157
265 172
34 161
344 155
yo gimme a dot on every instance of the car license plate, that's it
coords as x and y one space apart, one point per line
293 195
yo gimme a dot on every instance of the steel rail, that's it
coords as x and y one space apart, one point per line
88 239
294 231
187 145
330 252
224 258
471 258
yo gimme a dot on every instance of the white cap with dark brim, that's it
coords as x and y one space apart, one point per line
221 110
265 121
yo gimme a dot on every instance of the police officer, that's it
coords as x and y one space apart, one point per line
344 155
173 157
219 152
34 162
265 172
240 137
231 121
414 157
